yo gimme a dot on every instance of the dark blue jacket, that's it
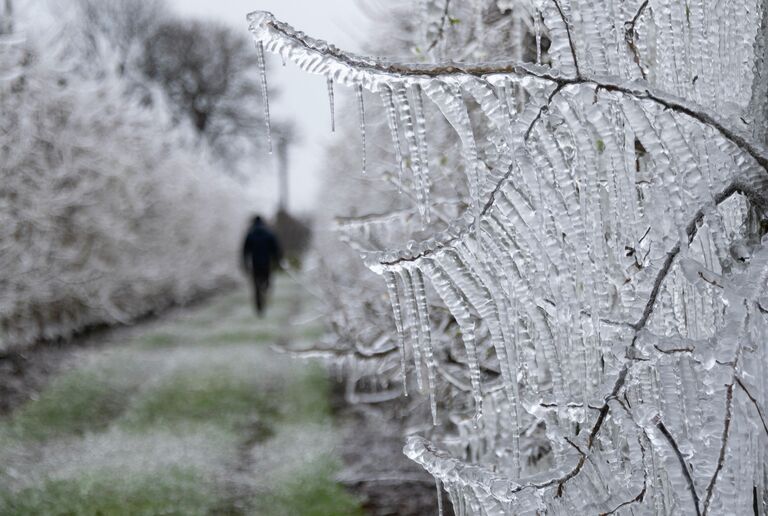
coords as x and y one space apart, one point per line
260 249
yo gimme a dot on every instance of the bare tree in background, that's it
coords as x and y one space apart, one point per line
209 73
124 24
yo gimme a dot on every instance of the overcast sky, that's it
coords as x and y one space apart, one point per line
303 97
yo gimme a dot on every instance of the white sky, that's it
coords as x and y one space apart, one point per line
303 97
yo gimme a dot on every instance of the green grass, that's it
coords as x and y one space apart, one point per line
311 332
312 492
241 336
73 404
174 492
221 397
238 336
243 394
307 397
158 340
218 397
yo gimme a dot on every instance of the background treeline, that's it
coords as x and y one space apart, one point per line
125 137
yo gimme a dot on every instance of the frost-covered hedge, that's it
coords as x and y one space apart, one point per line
107 211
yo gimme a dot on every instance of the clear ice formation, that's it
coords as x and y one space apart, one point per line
264 92
361 113
332 102
613 258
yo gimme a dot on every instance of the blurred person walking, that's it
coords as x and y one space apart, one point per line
261 250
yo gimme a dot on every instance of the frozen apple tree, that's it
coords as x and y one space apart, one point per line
108 210
602 258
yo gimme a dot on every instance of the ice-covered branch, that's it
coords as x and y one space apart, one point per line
317 56
723 445
754 401
599 248
630 36
681 459
567 24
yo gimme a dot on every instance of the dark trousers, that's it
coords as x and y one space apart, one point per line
260 287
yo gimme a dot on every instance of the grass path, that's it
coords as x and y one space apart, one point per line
194 415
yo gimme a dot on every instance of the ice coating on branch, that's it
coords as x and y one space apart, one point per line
601 281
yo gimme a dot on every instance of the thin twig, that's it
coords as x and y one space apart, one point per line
673 350
629 36
639 498
575 471
570 38
441 30
754 402
636 499
721 457
687 474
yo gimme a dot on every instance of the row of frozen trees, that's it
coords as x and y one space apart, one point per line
565 200
112 200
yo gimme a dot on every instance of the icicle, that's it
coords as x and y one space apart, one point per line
361 112
404 107
501 94
411 324
425 338
421 136
407 108
537 30
389 104
510 99
394 297
265 93
439 497
451 103
477 279
332 103
460 311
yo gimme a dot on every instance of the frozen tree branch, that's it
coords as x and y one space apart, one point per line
754 401
723 446
441 26
683 465
374 71
636 499
570 37
641 495
630 34
599 211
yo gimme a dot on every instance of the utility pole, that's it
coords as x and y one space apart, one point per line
282 171
6 22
